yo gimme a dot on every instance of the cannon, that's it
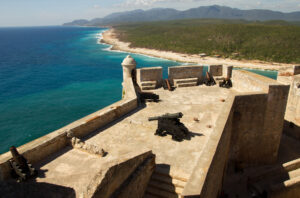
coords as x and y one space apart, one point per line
209 79
21 169
170 124
226 83
149 96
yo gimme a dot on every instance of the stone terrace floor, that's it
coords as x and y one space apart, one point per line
135 131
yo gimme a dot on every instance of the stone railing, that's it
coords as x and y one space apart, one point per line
44 146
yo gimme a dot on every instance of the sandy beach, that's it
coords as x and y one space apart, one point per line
110 37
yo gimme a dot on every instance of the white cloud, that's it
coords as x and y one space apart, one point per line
153 3
96 6
278 5
141 2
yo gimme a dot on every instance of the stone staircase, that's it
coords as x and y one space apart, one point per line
283 181
164 184
148 85
187 82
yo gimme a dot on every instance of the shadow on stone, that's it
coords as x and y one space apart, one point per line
140 107
192 135
291 129
162 180
50 158
35 190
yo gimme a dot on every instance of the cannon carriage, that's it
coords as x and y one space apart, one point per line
170 124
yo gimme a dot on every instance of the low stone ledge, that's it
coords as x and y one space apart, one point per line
103 117
246 81
35 150
295 70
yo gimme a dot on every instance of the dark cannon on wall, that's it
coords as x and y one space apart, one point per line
226 83
209 79
21 169
170 124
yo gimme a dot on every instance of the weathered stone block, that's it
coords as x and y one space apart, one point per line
150 74
120 178
215 70
296 69
227 71
184 72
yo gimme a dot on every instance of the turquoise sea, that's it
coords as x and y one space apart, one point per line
51 76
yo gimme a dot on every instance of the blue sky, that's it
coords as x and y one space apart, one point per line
56 12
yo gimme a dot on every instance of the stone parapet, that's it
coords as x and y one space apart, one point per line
215 70
227 71
150 74
184 72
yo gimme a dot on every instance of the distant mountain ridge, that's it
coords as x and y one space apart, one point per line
164 14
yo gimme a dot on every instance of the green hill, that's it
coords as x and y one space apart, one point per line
277 41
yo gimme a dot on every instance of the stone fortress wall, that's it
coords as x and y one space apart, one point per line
292 116
247 132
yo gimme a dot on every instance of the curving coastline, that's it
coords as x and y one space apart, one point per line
110 37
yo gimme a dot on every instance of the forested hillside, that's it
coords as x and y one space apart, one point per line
277 41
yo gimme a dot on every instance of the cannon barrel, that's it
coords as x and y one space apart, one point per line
19 159
167 116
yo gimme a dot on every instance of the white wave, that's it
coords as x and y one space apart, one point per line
99 36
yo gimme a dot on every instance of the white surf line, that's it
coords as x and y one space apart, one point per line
100 41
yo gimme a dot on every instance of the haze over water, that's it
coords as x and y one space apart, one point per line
52 76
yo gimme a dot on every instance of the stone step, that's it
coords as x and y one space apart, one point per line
168 180
292 165
170 174
166 187
160 193
294 173
148 87
276 180
148 83
284 168
265 185
286 186
189 84
147 195
185 80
